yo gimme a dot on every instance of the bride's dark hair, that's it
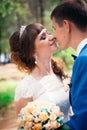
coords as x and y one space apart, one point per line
58 69
23 48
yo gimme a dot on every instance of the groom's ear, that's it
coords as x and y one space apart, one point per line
67 25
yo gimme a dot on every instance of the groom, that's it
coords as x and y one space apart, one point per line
69 20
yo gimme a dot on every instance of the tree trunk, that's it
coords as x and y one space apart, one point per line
37 10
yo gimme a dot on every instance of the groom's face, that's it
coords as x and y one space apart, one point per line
61 34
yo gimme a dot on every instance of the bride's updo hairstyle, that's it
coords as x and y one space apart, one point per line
22 47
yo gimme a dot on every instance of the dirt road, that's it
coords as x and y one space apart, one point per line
8 120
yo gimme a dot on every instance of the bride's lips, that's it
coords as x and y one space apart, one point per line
53 42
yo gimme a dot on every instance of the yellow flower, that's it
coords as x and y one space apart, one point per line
28 118
20 123
43 116
37 126
29 110
54 124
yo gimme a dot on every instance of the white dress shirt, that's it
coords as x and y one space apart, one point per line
81 45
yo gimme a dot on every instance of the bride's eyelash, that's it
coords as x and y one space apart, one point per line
43 37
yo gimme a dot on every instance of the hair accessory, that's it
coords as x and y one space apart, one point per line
22 29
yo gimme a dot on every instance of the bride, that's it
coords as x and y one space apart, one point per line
32 48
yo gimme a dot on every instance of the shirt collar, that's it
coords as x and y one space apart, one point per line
81 45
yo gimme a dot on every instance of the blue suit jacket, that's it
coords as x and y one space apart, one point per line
78 92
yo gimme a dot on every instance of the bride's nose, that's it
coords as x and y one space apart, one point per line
51 37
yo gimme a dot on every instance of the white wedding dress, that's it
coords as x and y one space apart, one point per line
49 88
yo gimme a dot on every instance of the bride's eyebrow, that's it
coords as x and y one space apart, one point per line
43 32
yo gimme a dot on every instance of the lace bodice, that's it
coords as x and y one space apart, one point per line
48 88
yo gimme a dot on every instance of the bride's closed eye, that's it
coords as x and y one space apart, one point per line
43 36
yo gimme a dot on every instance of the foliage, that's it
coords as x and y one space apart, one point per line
6 98
86 1
6 93
12 15
53 3
66 57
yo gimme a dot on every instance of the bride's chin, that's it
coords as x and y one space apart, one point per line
54 52
55 49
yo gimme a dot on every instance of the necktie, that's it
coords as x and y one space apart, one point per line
74 56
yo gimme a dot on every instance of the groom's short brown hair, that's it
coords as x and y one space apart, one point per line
72 10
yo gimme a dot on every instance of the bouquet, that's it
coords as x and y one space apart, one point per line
39 115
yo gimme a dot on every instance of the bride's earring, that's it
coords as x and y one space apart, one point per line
35 62
35 59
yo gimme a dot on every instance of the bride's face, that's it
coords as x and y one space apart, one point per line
45 44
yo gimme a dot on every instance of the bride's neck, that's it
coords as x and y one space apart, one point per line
42 69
